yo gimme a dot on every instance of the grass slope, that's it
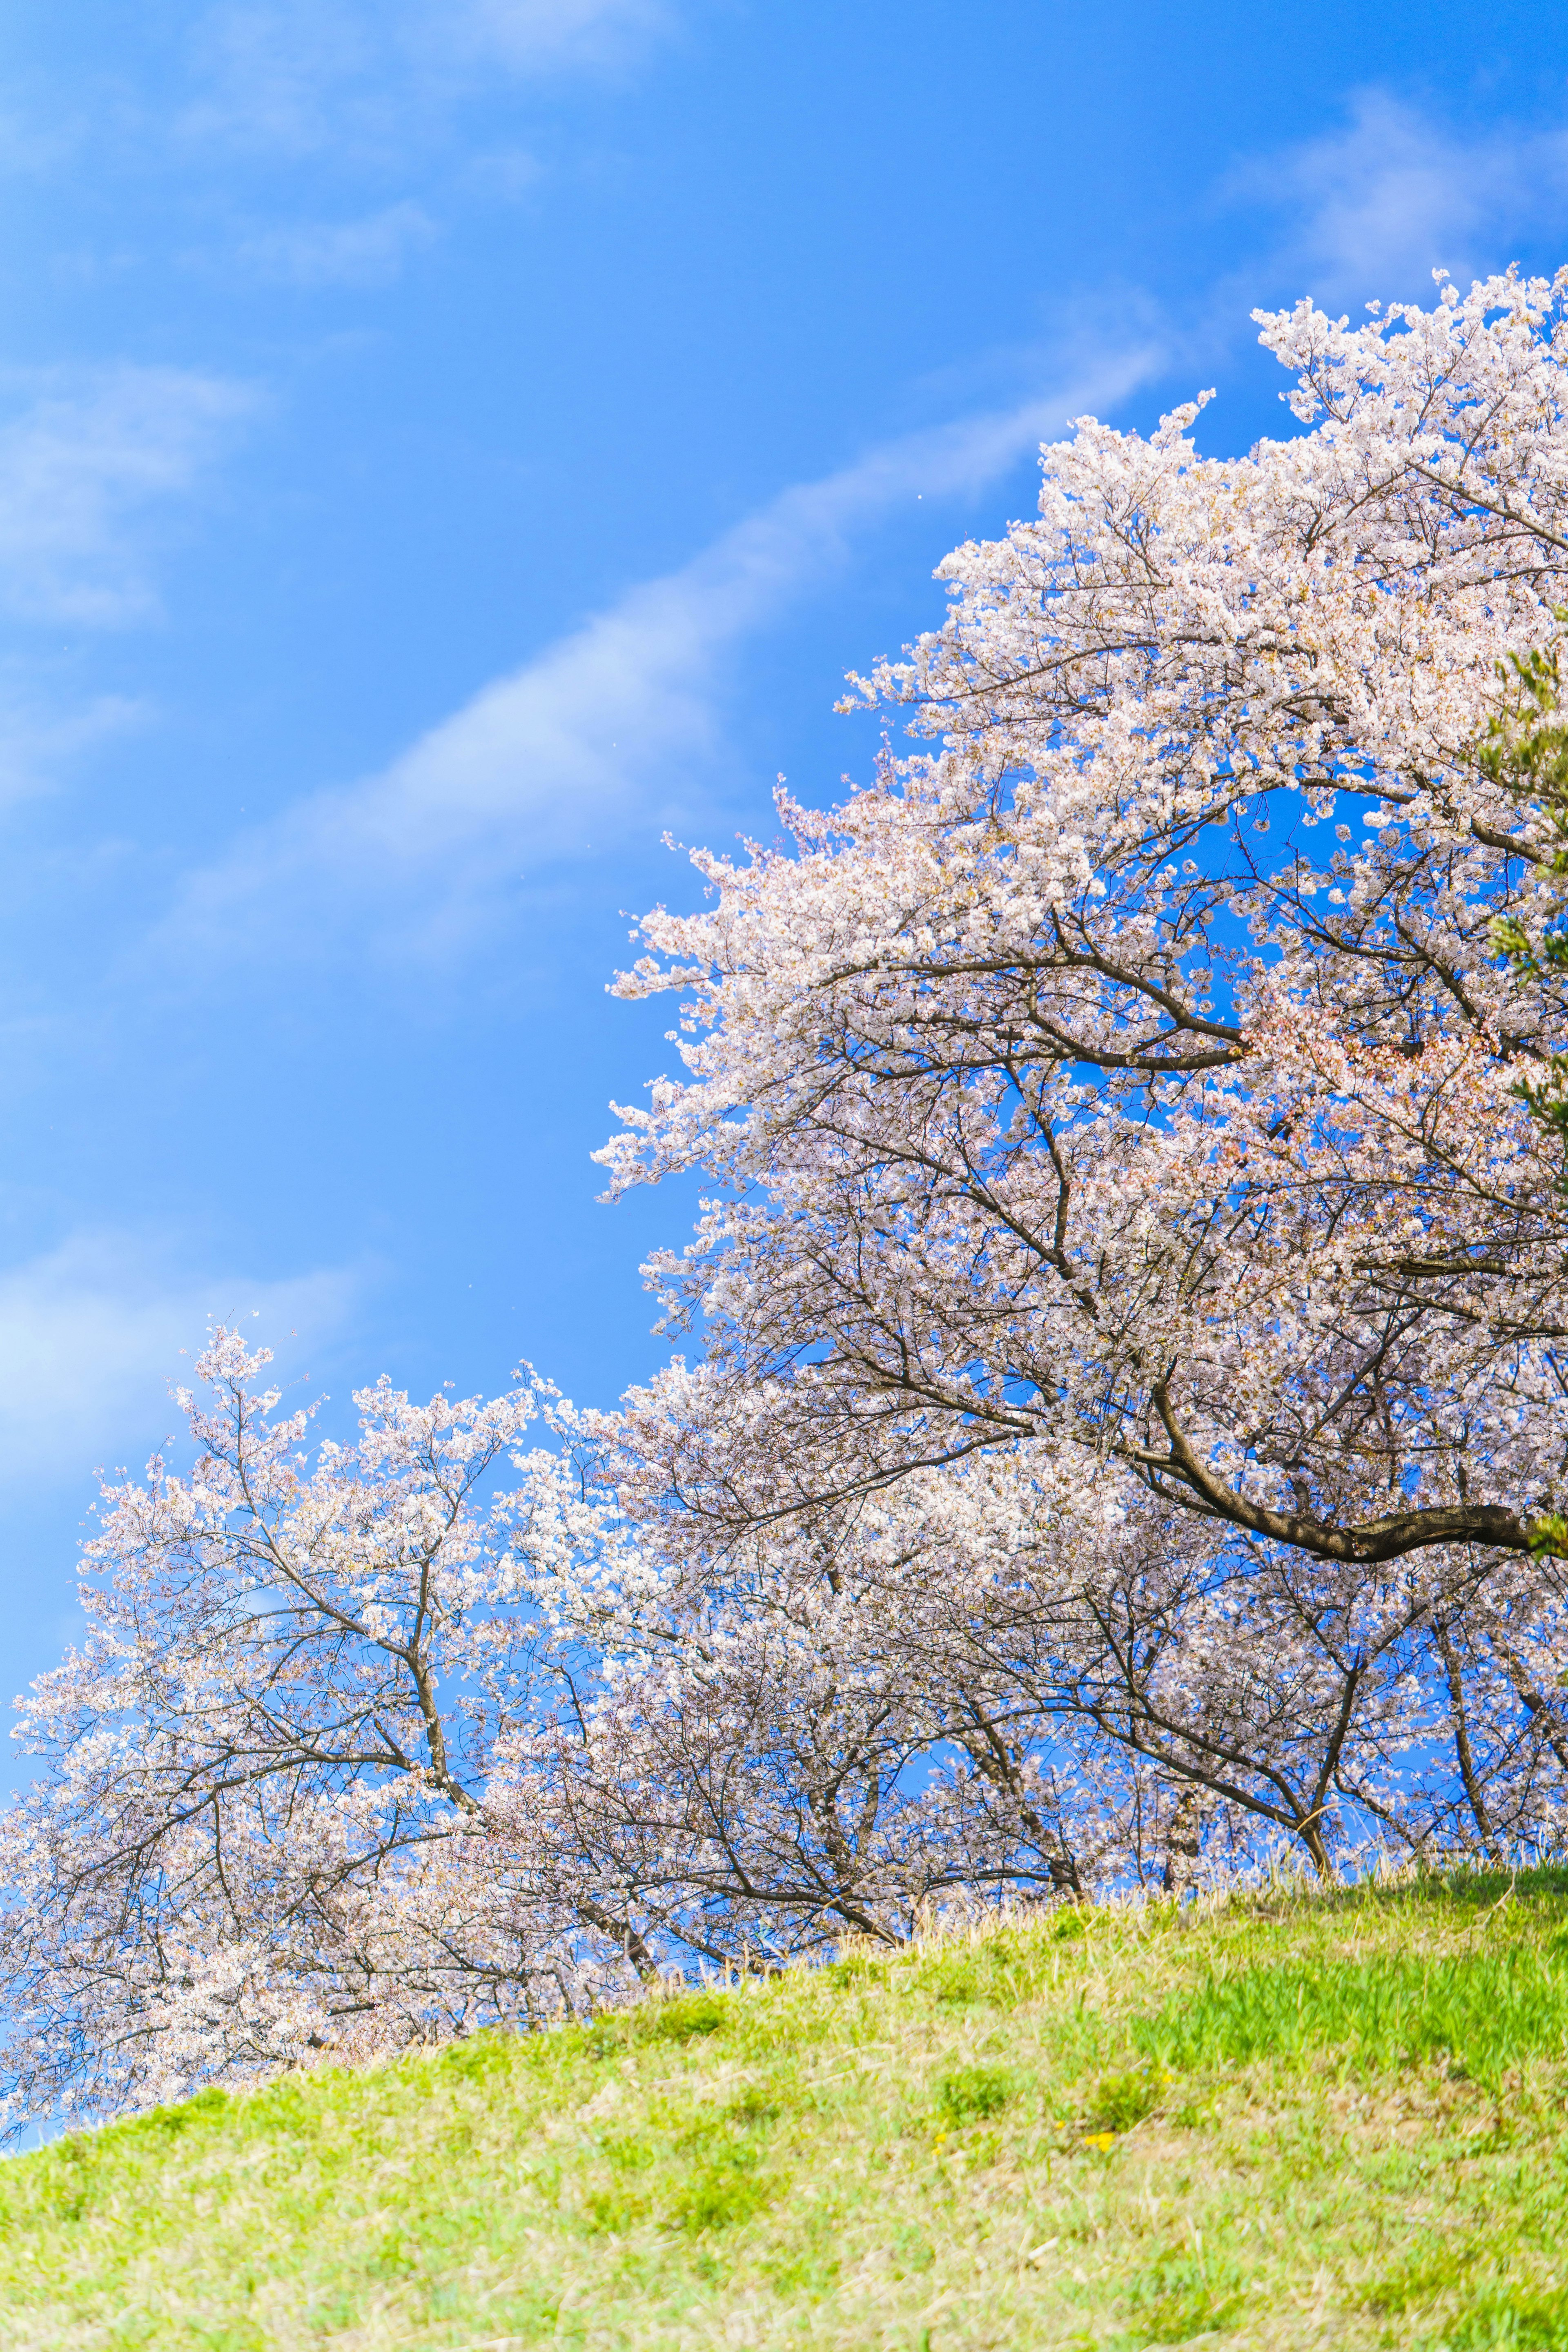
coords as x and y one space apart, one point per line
1286 2120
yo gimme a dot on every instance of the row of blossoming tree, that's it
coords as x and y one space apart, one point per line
1129 1427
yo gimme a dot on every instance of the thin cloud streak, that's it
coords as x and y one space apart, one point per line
580 741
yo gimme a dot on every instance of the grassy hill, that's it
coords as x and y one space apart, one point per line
1285 2120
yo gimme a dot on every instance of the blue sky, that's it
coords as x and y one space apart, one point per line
447 443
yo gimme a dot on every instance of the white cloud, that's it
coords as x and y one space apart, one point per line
368 252
1373 208
550 762
36 743
507 174
94 1331
290 74
532 37
31 142
359 75
83 456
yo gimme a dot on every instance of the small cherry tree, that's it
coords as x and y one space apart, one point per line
262 1823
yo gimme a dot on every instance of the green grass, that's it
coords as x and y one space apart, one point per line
1288 2119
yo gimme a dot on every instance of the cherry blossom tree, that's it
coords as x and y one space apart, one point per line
1060 1706
1130 1085
261 1823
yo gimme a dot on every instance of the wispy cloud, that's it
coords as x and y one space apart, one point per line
94 1334
536 36
368 252
38 741
507 174
35 138
1372 208
304 75
289 74
83 457
560 757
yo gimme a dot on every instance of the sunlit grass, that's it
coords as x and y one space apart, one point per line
1284 2120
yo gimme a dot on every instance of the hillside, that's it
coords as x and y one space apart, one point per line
1285 2120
